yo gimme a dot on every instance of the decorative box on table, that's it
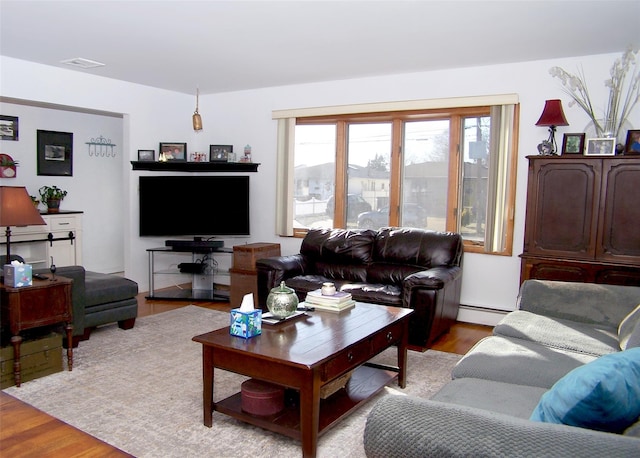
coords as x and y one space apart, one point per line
245 256
261 398
16 275
246 324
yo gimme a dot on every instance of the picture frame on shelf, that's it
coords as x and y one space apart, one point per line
173 152
9 128
632 145
573 143
600 147
220 153
55 153
146 155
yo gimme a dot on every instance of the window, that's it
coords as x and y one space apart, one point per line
446 168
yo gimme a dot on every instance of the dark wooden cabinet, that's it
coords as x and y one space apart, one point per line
583 218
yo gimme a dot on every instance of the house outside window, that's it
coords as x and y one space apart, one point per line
445 169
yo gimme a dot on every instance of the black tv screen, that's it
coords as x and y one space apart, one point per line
194 206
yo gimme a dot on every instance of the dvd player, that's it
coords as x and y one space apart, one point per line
189 245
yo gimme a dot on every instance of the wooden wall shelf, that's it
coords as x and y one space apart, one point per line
174 166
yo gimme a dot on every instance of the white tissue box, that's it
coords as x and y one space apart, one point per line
246 324
16 275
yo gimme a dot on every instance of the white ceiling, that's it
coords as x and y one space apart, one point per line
222 46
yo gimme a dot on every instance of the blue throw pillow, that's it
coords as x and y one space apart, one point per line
603 395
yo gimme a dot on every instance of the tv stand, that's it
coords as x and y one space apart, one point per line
202 284
195 245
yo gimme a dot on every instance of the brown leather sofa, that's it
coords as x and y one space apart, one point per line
403 267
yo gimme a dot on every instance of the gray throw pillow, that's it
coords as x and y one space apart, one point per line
629 330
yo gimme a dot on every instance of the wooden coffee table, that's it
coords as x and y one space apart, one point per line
305 354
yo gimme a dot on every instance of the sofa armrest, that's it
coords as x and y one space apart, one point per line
272 271
412 427
434 278
603 305
434 296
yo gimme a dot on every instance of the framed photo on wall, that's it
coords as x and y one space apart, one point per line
146 155
55 153
220 153
632 145
600 147
573 143
9 128
173 152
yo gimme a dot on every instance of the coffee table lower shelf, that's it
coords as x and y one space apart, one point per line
365 382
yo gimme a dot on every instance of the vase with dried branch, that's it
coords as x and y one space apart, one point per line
624 93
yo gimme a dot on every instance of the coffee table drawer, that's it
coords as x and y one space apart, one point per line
347 359
384 339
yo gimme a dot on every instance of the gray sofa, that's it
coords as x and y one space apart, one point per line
98 299
496 386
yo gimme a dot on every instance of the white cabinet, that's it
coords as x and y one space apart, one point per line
60 238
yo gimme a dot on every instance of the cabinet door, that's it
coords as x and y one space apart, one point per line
64 250
63 253
619 228
563 195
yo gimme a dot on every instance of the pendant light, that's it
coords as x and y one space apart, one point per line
197 119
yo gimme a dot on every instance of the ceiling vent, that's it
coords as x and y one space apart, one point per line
81 62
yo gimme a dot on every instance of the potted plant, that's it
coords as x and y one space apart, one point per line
51 197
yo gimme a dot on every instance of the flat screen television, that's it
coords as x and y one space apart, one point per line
194 206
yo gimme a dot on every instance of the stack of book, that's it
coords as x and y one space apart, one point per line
334 303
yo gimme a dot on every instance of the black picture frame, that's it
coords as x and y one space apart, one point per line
220 153
632 145
176 152
573 143
55 153
146 155
9 128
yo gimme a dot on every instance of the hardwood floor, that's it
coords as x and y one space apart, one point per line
27 432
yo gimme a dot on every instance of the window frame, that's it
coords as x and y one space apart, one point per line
455 115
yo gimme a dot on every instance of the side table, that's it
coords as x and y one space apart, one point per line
44 303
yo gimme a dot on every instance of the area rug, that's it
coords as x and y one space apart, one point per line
141 391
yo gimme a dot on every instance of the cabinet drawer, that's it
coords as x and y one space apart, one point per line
62 223
17 231
385 339
347 359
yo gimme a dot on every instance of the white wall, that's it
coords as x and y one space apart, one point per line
96 187
239 118
488 281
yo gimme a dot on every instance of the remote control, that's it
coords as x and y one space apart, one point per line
40 276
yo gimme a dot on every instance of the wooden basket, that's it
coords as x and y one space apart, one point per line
331 387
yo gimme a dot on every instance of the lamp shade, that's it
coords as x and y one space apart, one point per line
552 115
16 207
